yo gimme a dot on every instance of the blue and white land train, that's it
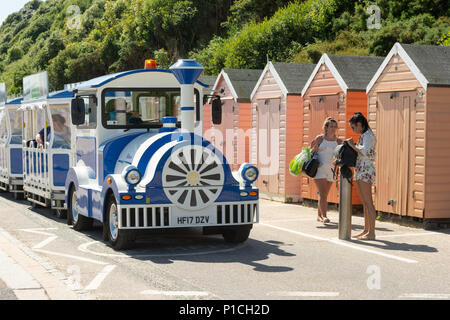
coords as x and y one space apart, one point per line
127 150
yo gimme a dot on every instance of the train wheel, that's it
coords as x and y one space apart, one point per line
119 239
236 234
78 221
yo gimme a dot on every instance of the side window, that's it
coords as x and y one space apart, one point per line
3 128
91 113
28 130
60 130
15 121
42 125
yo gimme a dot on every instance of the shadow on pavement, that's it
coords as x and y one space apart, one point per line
403 246
191 245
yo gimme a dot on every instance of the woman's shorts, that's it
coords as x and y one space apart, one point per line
365 171
325 172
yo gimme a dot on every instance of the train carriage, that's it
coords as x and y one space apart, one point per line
11 170
141 162
47 148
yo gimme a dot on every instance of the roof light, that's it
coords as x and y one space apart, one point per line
150 64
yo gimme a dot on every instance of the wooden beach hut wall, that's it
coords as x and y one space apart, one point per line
232 136
336 88
277 128
409 111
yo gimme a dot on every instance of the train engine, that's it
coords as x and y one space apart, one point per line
133 175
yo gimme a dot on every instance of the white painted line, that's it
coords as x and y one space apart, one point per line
342 243
51 236
303 294
176 293
289 220
31 294
85 248
99 278
45 242
56 290
70 256
14 275
425 296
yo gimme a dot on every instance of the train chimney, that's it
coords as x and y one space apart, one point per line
187 72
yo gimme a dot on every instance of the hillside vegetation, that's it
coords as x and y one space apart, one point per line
76 40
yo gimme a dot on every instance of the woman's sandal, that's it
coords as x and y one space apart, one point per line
326 220
319 219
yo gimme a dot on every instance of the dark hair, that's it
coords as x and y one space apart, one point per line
359 117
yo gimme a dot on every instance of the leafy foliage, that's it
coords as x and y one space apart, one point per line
76 40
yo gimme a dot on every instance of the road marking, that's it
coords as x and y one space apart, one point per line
51 269
85 248
51 236
99 278
288 220
425 296
303 294
176 293
341 243
70 256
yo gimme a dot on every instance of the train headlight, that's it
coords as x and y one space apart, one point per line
132 175
249 173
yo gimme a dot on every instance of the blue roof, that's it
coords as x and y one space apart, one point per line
101 81
15 101
60 94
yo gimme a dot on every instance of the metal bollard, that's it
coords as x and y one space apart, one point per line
345 209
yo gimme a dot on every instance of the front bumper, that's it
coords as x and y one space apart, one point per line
170 216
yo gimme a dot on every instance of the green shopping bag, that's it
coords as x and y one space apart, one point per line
296 164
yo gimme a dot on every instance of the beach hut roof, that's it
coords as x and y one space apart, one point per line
351 72
429 64
291 77
208 80
240 81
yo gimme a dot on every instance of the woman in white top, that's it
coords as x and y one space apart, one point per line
324 146
365 171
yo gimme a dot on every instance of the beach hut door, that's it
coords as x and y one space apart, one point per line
395 152
269 145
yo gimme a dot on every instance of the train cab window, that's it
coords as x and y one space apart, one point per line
139 108
60 130
16 122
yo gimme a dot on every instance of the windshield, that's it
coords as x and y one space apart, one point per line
139 108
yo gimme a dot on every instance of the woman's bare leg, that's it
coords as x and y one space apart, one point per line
366 190
366 223
324 186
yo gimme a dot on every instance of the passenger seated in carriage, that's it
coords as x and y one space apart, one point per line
62 133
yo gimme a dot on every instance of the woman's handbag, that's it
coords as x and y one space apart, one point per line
310 167
345 155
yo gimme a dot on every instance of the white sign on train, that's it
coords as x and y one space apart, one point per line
35 86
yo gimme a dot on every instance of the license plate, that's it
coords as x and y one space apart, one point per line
190 220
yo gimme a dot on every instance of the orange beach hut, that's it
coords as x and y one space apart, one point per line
231 137
277 128
409 112
336 88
